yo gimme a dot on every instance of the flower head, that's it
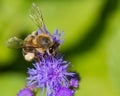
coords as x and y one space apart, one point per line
74 80
74 83
25 92
50 72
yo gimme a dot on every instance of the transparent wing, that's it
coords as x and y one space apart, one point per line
36 16
14 43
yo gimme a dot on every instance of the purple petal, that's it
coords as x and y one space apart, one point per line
39 31
64 92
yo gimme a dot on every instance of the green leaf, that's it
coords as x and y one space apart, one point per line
11 83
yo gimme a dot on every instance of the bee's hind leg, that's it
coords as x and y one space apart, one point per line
38 57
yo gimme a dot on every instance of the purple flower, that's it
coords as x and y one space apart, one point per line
62 91
74 83
49 73
74 80
56 36
25 92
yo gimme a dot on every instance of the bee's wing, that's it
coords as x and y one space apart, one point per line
36 16
14 43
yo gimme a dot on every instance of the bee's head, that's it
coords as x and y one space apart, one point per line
53 48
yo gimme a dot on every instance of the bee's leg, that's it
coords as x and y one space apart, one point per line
58 54
28 54
37 56
24 52
37 59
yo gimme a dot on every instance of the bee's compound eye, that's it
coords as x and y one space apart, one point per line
29 56
51 50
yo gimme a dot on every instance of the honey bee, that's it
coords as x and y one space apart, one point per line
39 41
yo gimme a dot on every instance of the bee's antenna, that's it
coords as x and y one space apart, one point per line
36 16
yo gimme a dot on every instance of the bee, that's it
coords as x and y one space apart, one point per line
39 41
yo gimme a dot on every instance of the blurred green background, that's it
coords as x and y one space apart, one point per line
92 42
